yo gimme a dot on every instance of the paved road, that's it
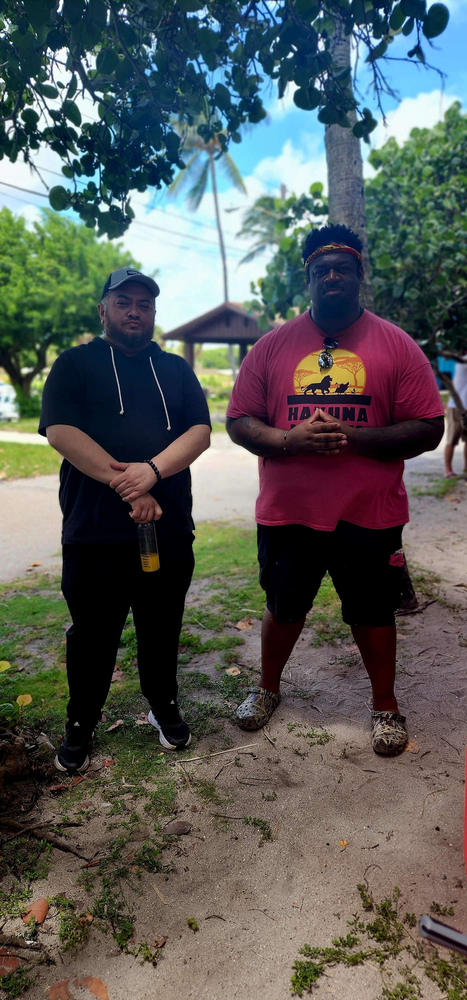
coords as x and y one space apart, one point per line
225 482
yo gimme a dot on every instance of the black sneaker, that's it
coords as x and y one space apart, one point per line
73 755
174 733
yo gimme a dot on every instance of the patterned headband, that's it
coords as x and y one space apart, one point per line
334 246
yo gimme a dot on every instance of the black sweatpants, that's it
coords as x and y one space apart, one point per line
100 584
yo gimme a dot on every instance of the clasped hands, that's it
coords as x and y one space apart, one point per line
321 434
132 484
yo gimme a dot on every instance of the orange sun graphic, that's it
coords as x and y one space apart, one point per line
347 375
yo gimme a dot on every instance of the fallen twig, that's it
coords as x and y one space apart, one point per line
434 792
187 779
217 916
266 734
229 762
33 832
217 753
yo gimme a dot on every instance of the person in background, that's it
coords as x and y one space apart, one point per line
455 430
129 419
332 402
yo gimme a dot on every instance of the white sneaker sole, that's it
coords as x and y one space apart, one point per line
79 770
162 740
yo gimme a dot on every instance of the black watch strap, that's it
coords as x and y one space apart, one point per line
154 468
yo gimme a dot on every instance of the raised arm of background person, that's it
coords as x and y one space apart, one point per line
137 477
401 441
311 437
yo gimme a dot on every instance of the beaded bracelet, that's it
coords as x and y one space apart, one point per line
154 469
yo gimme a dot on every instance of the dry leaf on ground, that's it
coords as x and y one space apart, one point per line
159 940
177 827
108 763
412 747
343 843
8 963
233 671
244 624
60 991
35 564
38 909
115 725
117 674
24 699
4 665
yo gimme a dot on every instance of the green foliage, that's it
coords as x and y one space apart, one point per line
16 983
417 232
261 824
143 65
51 278
21 461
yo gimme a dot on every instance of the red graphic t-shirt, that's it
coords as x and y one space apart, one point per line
379 377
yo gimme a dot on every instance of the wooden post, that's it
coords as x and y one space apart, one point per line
243 351
189 352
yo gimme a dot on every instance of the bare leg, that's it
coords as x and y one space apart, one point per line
448 457
378 650
277 642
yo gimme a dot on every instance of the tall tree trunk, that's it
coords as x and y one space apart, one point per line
345 170
223 254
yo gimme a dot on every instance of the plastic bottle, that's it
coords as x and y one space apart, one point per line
148 549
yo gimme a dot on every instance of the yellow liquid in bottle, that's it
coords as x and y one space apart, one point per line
150 562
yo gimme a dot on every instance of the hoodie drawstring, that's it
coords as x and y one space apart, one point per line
162 395
122 411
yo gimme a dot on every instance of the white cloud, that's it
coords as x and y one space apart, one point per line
422 111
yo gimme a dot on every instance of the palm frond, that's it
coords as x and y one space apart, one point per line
183 178
233 173
258 249
196 193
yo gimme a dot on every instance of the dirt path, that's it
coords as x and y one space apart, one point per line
332 812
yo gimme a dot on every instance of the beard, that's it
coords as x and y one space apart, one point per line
128 341
334 305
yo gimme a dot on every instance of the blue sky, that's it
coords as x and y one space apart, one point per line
288 149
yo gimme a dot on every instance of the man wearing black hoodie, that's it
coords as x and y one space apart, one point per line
128 419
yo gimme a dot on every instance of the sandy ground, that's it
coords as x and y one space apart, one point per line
256 905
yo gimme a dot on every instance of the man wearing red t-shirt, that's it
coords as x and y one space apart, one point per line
332 402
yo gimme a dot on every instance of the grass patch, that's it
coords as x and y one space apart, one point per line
16 983
74 929
437 487
20 461
386 940
208 792
25 425
162 800
262 825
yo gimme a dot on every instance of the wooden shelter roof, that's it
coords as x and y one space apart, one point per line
228 323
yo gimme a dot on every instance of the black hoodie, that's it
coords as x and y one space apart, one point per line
134 407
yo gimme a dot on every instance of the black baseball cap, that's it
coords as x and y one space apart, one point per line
123 274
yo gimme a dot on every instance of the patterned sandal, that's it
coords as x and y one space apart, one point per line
389 733
257 708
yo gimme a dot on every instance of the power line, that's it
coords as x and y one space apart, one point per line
146 225
193 222
178 246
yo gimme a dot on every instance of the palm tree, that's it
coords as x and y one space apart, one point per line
346 191
199 171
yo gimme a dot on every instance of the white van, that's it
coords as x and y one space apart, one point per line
8 404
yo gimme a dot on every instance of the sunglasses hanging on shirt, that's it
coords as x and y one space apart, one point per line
325 359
